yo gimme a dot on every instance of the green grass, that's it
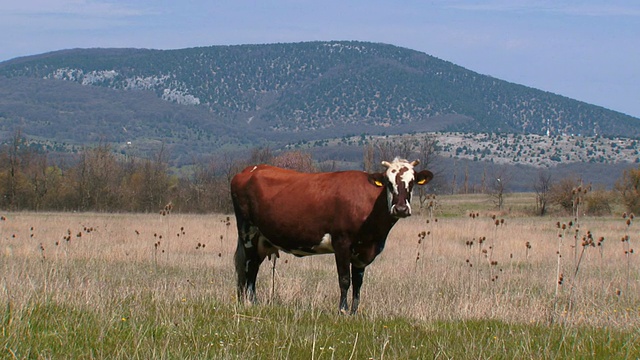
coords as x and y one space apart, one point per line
463 204
189 329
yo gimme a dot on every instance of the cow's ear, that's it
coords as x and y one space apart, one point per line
423 177
377 179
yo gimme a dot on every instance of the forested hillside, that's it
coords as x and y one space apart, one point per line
315 89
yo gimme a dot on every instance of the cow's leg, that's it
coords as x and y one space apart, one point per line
252 266
247 266
344 277
240 257
357 275
247 259
241 285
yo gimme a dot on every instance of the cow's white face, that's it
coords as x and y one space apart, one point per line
399 179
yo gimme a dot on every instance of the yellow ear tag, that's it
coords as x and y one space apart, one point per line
422 182
378 183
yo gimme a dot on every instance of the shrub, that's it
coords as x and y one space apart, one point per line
561 193
598 202
627 186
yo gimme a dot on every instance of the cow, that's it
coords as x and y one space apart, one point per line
347 213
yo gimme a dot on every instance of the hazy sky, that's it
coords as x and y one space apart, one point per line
586 50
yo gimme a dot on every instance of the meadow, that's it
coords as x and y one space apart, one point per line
465 283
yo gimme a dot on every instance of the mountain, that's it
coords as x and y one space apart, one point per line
202 100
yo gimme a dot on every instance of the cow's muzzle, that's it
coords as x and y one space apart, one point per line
401 210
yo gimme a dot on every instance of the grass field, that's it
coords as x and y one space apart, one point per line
152 286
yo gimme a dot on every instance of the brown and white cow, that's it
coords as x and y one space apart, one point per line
348 213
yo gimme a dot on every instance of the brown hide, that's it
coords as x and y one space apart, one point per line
295 210
278 209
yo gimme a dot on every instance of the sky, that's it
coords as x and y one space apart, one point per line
586 50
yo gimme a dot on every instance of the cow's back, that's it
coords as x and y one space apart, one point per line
290 206
251 184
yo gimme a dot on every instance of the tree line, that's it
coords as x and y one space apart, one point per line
99 179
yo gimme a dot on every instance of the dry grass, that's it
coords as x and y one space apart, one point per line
103 260
83 257
455 278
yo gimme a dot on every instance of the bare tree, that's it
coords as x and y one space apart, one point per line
228 166
428 149
465 183
261 155
403 148
40 176
542 186
483 181
386 151
498 192
454 178
368 158
374 154
563 193
498 187
155 192
628 185
231 166
14 158
295 160
427 154
101 177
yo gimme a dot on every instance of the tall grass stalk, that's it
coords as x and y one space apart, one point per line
559 276
587 241
628 251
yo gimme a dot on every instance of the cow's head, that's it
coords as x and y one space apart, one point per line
399 179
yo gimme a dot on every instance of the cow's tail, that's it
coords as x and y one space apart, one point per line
240 257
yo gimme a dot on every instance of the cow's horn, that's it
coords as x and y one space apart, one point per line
386 164
415 162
